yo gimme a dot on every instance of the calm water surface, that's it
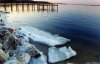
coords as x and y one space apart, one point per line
81 24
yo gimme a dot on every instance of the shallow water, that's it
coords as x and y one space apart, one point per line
81 24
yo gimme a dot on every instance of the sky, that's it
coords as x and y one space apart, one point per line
75 1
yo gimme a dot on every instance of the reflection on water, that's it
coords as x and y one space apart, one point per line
81 24
29 7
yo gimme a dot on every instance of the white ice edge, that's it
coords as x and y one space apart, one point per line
43 36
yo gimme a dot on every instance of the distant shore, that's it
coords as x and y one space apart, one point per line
80 4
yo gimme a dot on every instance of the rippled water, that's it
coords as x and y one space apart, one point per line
79 23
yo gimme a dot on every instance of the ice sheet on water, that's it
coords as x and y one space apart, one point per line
42 36
60 54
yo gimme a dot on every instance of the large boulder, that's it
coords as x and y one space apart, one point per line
9 41
3 56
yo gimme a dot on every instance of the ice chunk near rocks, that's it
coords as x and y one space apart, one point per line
40 60
32 51
37 57
60 54
43 37
23 57
20 56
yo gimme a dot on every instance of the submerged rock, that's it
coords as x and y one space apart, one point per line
60 54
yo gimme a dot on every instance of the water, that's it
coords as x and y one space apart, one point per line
81 24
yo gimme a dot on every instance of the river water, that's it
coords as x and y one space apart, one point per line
79 23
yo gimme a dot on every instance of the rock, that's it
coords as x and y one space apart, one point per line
33 52
23 57
0 40
10 30
12 52
3 56
3 30
0 46
60 54
9 41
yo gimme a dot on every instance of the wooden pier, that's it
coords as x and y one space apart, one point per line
30 5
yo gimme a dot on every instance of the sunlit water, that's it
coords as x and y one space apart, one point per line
81 24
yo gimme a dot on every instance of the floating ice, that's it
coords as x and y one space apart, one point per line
41 60
42 36
60 54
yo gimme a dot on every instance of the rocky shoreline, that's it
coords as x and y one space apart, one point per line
15 47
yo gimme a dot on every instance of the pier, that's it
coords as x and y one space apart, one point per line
29 6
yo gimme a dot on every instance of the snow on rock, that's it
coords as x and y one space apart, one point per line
14 62
26 57
11 62
42 36
60 54
22 48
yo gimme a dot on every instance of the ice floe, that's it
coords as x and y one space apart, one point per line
42 36
60 54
